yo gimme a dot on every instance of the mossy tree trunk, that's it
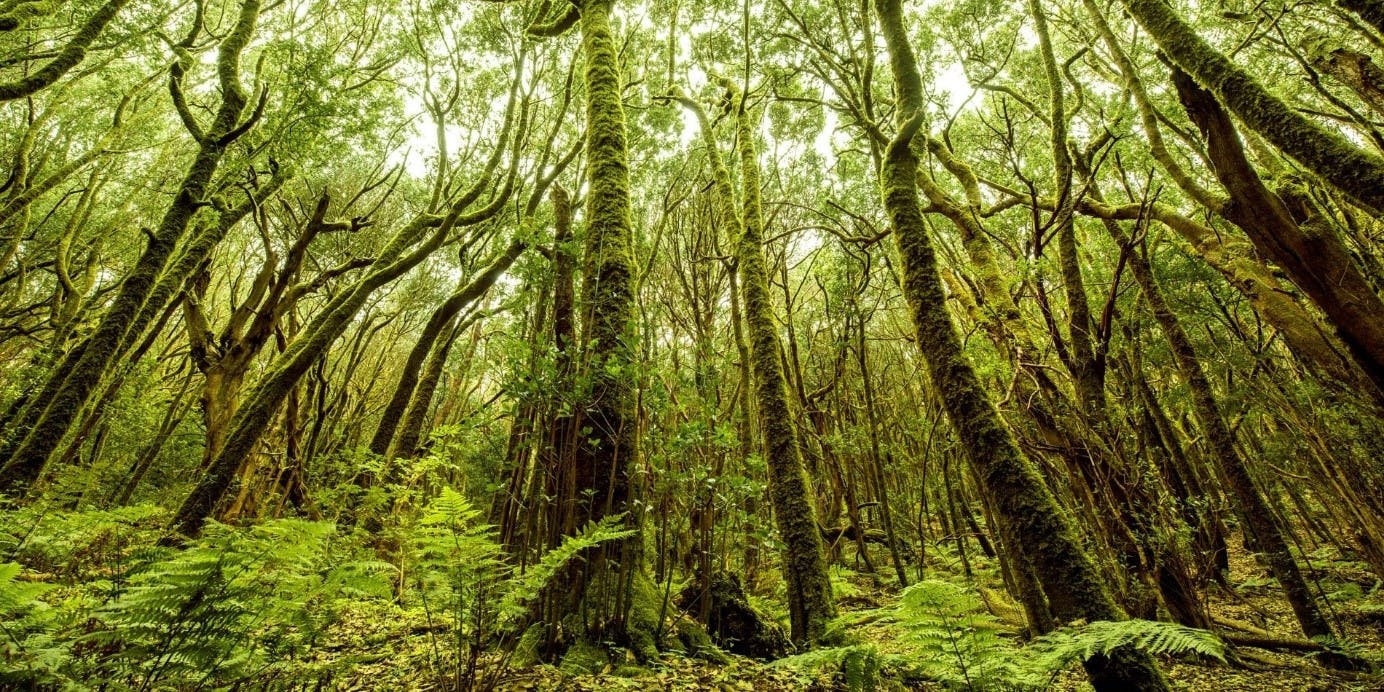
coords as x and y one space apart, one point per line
1305 335
1372 11
413 243
535 493
1285 229
49 417
1353 69
603 448
412 432
1246 272
812 606
1267 533
1113 495
1356 172
69 57
1086 360
387 432
225 358
1041 532
1135 537
810 602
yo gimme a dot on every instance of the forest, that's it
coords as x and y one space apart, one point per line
670 345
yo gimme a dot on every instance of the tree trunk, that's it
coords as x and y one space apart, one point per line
1042 532
810 602
50 417
1267 533
812 606
1354 171
606 455
1311 253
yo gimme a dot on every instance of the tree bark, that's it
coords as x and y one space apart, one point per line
1261 524
1309 251
50 417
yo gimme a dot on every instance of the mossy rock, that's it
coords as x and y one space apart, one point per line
733 623
584 658
694 639
630 670
526 651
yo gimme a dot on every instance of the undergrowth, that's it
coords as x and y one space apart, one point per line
949 638
249 606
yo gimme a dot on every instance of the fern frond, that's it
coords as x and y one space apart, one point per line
17 596
1056 649
528 586
857 665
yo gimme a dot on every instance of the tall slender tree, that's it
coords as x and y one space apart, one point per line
1033 524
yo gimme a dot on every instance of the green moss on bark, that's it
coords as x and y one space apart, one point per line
70 388
1356 172
810 602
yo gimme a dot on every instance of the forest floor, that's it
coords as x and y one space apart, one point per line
1254 605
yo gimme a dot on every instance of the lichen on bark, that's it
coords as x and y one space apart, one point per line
1356 172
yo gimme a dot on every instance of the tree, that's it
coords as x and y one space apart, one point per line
810 603
1033 523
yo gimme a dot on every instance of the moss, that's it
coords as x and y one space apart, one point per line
632 671
584 658
1032 522
642 622
68 58
697 643
526 652
734 623
50 417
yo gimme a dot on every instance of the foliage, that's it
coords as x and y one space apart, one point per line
387 111
857 666
27 652
958 643
68 544
951 639
1060 647
461 574
230 605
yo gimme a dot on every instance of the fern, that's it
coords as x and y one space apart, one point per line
225 606
1055 650
461 573
27 653
857 666
957 642
528 586
74 545
16 596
